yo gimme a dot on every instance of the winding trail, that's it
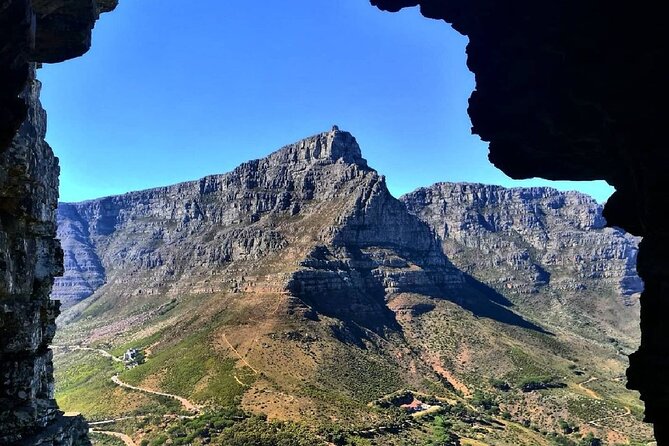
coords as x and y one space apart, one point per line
628 411
184 402
590 392
188 405
114 420
89 349
239 381
241 358
126 439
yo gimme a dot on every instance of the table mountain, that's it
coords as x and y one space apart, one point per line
298 287
548 251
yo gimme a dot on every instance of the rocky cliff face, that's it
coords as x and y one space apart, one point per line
543 248
303 270
29 258
311 219
314 221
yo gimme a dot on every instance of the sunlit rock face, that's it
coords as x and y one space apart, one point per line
313 217
544 248
548 250
558 96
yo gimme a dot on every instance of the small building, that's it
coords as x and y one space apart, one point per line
415 406
133 357
130 355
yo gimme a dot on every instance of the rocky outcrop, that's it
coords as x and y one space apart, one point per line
315 221
83 270
549 251
311 219
29 258
31 33
556 96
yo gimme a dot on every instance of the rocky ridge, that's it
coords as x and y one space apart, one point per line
324 290
527 242
313 219
309 218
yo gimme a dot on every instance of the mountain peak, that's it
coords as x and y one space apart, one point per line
327 146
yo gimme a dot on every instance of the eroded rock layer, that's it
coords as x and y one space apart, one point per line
32 32
311 219
547 250
557 96
30 256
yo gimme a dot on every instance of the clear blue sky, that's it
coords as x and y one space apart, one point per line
175 90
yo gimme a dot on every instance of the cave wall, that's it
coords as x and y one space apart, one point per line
30 256
572 90
564 90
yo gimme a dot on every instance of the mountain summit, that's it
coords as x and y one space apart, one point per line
313 210
298 287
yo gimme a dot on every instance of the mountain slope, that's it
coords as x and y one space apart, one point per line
296 286
548 251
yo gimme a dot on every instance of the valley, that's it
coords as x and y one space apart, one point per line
291 300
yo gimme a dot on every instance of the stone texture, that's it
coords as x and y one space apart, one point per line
549 251
83 270
558 96
30 256
315 221
350 239
31 33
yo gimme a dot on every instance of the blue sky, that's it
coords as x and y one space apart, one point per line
173 90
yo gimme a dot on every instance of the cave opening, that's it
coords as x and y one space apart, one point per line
505 144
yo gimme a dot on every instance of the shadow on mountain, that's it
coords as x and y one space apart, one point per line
484 301
357 300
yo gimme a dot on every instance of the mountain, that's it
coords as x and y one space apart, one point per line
297 287
548 251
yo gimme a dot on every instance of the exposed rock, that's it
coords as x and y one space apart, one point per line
350 239
313 220
37 31
84 272
543 248
30 257
557 97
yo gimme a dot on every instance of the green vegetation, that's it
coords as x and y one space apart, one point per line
441 434
83 384
105 440
530 383
484 402
183 365
500 384
360 374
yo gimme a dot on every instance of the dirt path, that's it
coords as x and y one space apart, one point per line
184 402
239 381
241 358
590 392
127 440
89 349
628 411
99 423
456 383
188 405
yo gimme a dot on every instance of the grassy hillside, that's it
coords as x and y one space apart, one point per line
322 379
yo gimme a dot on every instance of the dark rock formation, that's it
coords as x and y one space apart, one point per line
30 256
575 91
565 90
548 251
